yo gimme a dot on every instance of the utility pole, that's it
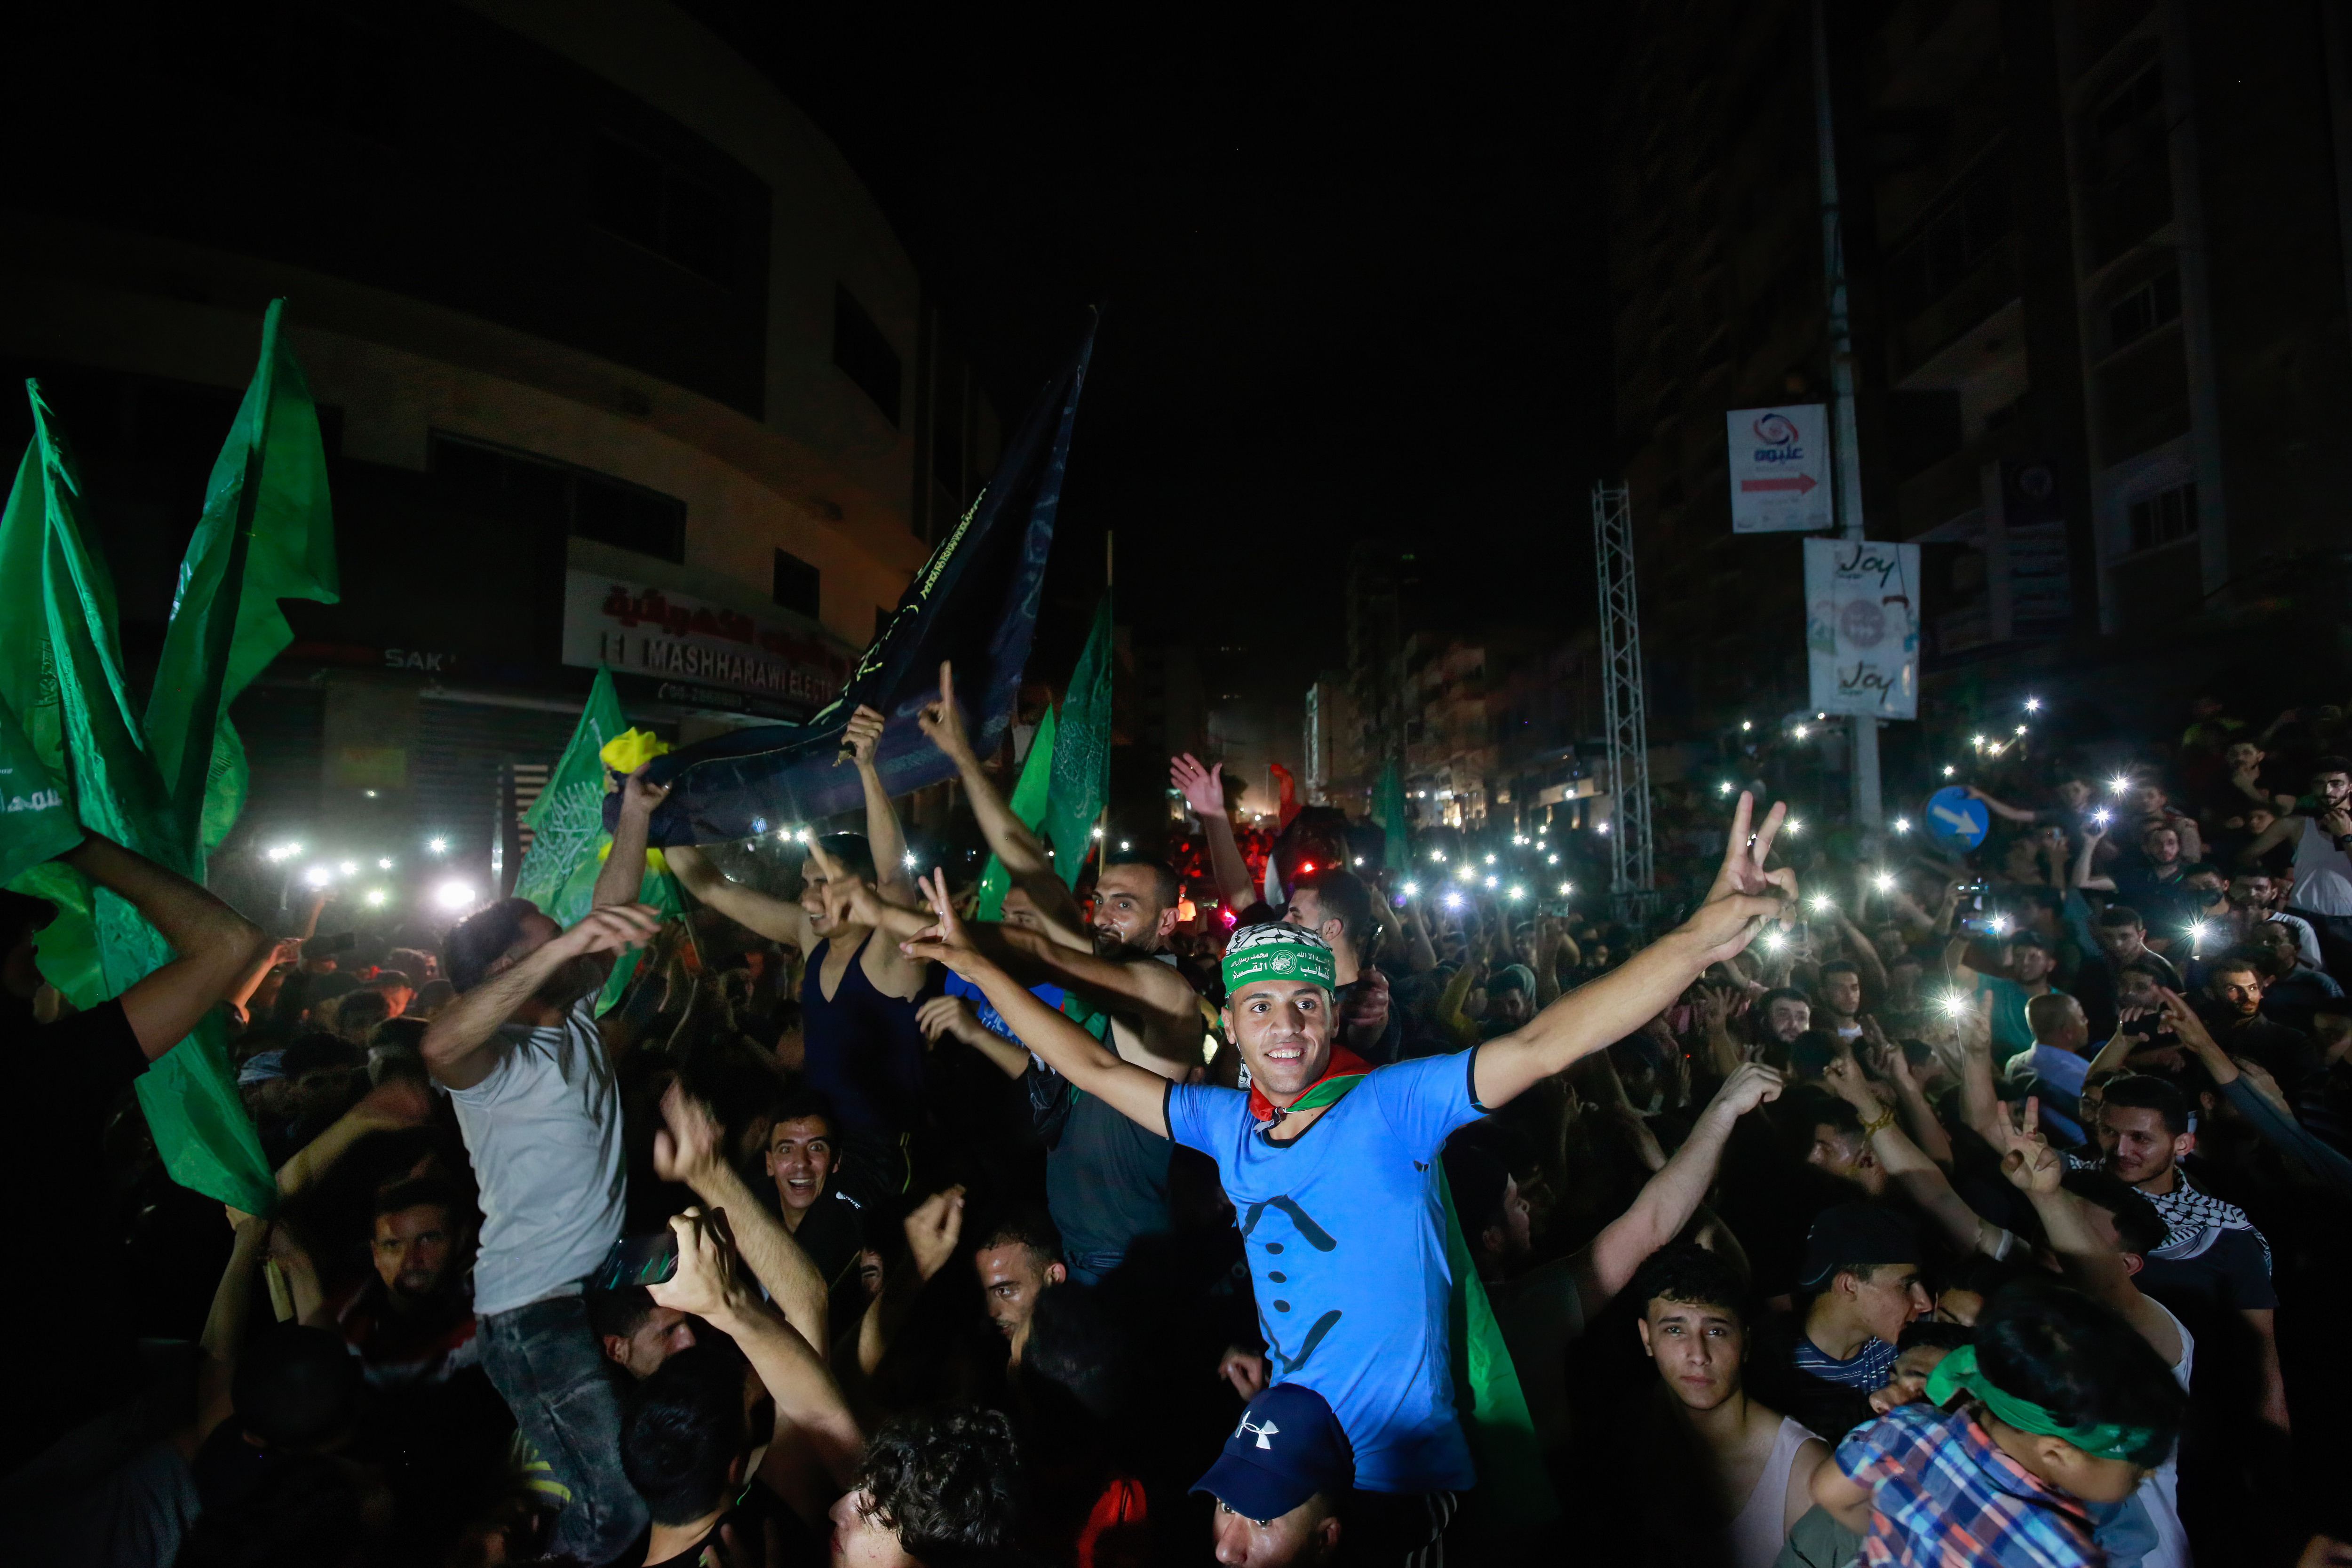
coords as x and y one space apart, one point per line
1845 440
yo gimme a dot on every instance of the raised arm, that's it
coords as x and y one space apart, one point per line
2092 1266
1887 1058
2286 830
814 1429
1668 1199
215 947
1979 1098
1743 897
1014 843
1136 1093
2093 833
623 875
2000 808
771 918
461 1044
1917 1174
884 835
225 1324
690 1148
1203 790
951 1019
1865 951
2120 1045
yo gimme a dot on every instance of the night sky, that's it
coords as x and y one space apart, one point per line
1355 281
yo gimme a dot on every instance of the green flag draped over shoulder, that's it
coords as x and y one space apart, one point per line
568 841
1081 767
1028 803
1514 1492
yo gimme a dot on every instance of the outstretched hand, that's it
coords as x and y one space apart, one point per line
934 1228
1750 1085
946 942
2031 1164
706 1283
1203 789
863 734
1745 895
613 928
942 721
687 1146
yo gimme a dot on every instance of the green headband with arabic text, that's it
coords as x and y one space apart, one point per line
1277 952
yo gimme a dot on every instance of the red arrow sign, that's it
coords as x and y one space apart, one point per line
1800 484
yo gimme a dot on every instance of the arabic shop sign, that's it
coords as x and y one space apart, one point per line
700 645
1780 461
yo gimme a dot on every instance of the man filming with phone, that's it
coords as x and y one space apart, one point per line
526 1068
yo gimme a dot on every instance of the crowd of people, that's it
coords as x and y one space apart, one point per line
1285 1200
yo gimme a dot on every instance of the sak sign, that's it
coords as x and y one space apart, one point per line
704 647
1780 468
1862 627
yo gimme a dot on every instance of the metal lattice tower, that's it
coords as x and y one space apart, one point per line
1623 711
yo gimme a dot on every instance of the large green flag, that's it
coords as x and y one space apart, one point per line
267 534
1081 767
568 841
1388 810
1028 803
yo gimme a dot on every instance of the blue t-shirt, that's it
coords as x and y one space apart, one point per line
989 1018
1346 1236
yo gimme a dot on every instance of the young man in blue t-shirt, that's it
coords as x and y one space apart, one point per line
1344 1224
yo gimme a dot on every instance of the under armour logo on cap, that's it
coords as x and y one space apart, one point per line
1258 1479
1268 1430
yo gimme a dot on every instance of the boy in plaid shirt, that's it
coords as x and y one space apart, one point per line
2058 1409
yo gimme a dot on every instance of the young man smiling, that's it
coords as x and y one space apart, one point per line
1344 1224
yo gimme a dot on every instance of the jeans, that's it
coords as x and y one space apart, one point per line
546 1363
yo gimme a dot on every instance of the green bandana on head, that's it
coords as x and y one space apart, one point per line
1277 952
1959 1371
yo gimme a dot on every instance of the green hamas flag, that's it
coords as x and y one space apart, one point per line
1081 767
267 534
1388 810
1028 803
568 841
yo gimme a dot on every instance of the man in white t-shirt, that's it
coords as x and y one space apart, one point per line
519 1053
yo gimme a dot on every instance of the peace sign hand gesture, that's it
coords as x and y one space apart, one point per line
1745 895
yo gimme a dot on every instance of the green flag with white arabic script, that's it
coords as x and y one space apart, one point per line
1081 767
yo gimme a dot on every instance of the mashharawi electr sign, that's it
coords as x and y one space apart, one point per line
705 654
1780 468
1862 627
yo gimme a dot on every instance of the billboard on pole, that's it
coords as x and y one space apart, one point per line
1862 627
1780 468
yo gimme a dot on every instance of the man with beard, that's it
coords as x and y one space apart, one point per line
2322 869
412 1321
1343 1225
536 1099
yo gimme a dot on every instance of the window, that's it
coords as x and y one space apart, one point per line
2143 309
795 583
2164 518
650 200
1952 243
2139 99
517 487
863 354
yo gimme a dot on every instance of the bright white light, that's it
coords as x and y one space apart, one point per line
1360 859
1902 825
1123 844
1884 881
452 895
1954 1003
376 898
1490 860
349 867
801 836
1566 889
2118 784
278 852
2102 815
2199 931
1775 940
2033 705
1494 881
1518 892
1800 731
1438 855
1603 829
438 846
2020 728
317 876
1452 901
1820 715
1412 890
1552 859
1822 904
1097 832
1746 724
383 863
1975 740
1724 787
1999 924
1791 828
1463 871
1949 769
783 836
908 860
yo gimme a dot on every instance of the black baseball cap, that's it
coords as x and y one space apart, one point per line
1288 1448
1855 1233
